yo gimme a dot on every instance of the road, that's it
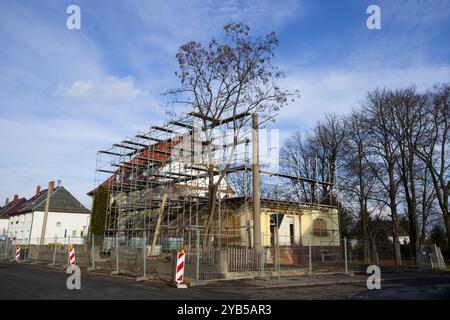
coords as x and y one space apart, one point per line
29 282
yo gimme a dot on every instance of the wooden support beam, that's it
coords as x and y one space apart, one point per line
158 222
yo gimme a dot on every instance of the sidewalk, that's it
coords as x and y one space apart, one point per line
326 280
308 281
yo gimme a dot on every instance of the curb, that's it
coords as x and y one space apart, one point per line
312 284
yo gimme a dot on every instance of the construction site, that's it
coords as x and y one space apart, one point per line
193 184
213 190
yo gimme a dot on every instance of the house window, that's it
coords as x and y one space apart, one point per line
320 228
74 233
58 223
22 217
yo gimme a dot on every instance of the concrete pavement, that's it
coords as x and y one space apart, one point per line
28 282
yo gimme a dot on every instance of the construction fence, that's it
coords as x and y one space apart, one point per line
155 256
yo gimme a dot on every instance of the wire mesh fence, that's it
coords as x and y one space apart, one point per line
209 257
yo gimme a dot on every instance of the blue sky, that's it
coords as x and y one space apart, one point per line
64 94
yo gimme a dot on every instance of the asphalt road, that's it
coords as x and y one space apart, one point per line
28 282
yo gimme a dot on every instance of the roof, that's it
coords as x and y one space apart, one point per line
277 203
11 208
61 200
143 158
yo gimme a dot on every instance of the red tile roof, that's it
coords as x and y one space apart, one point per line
149 155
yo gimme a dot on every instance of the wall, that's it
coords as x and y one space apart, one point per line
20 226
3 226
302 228
332 219
63 226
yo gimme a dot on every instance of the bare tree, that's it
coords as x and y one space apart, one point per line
297 160
409 113
358 179
434 150
327 143
383 154
228 80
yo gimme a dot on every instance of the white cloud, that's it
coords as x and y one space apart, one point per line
108 89
340 90
114 88
78 89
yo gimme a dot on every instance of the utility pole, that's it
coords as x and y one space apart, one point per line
257 241
51 188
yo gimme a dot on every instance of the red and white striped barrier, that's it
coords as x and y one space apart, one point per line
17 253
179 275
71 256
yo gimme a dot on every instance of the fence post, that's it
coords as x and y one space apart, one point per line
345 254
117 254
93 250
310 258
54 252
37 251
6 248
197 257
144 253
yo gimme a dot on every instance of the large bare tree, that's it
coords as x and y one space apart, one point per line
383 154
434 149
223 80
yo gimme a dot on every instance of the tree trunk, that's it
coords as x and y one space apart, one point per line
365 230
396 243
212 213
447 229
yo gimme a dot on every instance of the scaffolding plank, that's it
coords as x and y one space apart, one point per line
111 153
135 143
165 130
182 124
149 138
125 147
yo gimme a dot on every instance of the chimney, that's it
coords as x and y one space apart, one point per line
51 187
16 199
6 202
38 190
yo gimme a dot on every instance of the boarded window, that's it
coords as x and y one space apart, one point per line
320 228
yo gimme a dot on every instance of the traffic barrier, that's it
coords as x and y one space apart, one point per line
71 256
17 253
179 274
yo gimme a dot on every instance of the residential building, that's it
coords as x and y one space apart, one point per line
67 219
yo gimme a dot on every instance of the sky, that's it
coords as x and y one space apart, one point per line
65 94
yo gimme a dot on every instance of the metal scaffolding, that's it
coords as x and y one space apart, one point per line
158 181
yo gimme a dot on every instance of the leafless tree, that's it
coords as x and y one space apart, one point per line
358 179
434 149
383 154
409 115
224 80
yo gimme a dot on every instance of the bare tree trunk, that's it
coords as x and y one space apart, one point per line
447 229
212 213
394 216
